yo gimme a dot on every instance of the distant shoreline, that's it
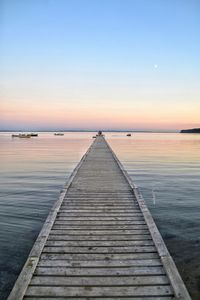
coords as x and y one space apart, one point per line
193 130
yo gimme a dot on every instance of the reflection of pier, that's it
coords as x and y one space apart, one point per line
99 241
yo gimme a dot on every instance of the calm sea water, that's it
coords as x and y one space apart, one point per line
166 167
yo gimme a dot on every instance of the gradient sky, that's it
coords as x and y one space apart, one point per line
88 64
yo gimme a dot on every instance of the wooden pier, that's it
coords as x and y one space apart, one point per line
99 241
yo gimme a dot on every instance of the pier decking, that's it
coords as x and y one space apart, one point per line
99 241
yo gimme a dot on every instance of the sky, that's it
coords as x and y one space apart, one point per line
99 64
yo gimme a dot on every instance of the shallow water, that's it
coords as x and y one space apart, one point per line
165 166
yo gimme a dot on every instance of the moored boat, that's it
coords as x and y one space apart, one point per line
21 135
15 135
24 136
33 134
58 133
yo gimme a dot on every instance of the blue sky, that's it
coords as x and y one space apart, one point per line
136 63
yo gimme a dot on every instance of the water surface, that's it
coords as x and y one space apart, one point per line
166 167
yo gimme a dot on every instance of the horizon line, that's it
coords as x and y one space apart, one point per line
91 130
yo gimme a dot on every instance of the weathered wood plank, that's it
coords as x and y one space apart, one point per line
99 256
100 291
98 214
100 281
93 222
99 263
100 243
98 227
99 232
102 199
113 249
92 204
130 237
101 196
129 218
102 204
107 298
133 271
99 209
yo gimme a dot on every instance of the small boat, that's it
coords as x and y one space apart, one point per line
24 136
21 135
94 137
128 134
59 133
15 135
34 134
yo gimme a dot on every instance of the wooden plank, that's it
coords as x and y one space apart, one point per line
107 298
102 193
122 249
99 214
99 256
130 237
98 209
79 214
99 232
102 199
103 211
103 203
92 205
100 281
93 222
100 196
100 243
111 271
129 218
99 263
98 227
99 291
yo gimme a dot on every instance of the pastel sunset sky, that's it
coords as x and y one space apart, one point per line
100 64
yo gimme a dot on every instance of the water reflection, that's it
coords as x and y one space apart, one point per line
165 166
